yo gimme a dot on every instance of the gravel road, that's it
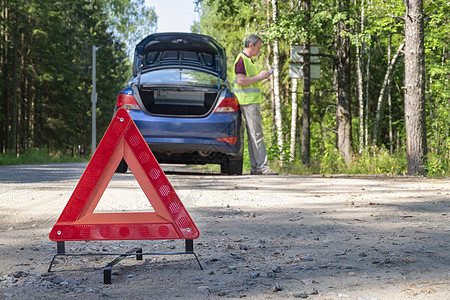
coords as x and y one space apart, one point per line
261 237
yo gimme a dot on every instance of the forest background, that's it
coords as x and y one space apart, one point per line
359 117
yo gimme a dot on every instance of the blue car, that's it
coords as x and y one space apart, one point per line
182 103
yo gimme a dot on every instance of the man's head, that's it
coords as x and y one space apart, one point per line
252 45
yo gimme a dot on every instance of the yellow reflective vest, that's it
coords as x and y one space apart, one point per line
247 94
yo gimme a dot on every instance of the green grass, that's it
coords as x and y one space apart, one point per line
370 161
38 156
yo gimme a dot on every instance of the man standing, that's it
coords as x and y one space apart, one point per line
248 92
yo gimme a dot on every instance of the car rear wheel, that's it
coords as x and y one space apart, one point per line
232 167
122 167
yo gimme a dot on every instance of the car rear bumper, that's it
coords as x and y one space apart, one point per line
180 137
188 154
177 146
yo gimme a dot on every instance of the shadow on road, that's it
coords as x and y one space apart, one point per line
41 172
69 171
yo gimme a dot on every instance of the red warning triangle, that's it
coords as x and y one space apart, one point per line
78 222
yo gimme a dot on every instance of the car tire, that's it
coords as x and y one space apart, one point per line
122 167
232 167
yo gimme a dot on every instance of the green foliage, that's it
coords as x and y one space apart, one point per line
436 166
297 168
130 21
332 162
54 78
229 22
378 161
371 161
384 17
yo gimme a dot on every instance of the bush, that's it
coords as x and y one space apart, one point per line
436 166
379 161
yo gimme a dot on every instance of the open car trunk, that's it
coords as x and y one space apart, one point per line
179 74
178 101
161 50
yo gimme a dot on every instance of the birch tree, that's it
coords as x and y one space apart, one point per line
384 87
294 113
276 86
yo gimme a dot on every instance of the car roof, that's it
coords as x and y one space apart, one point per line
175 49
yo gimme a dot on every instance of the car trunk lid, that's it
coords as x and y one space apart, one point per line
168 50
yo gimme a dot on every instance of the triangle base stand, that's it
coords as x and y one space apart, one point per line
107 270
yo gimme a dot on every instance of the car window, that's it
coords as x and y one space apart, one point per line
179 76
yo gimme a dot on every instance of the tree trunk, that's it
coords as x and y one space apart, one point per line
15 84
294 114
269 66
416 142
391 149
3 77
343 116
360 82
360 98
306 103
276 86
366 117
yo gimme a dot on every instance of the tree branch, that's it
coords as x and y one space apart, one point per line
397 17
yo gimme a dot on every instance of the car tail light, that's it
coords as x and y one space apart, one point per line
127 101
230 140
227 105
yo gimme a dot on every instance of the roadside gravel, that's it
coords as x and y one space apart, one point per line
261 237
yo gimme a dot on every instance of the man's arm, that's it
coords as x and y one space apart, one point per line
242 80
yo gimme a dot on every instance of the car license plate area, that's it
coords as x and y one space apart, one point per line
177 102
188 98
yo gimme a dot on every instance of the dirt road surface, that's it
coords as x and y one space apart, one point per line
261 237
